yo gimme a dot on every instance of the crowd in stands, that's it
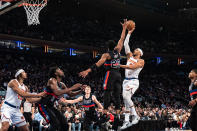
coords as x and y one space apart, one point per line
92 32
162 95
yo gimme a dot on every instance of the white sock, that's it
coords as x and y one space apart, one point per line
127 117
133 111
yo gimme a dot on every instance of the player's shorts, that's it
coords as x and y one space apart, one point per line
88 119
13 115
54 117
112 85
130 86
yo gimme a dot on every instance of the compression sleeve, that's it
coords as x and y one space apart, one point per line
126 44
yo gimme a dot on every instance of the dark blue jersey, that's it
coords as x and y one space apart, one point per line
114 62
193 90
88 105
51 97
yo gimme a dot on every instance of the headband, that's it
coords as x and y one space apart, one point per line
19 72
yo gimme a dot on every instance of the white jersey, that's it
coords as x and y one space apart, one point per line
12 97
132 73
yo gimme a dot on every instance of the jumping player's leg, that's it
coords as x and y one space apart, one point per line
133 84
129 88
107 98
116 92
127 101
107 90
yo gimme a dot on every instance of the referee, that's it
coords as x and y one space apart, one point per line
193 103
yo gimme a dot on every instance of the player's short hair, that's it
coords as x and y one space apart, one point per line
194 70
111 44
87 87
52 71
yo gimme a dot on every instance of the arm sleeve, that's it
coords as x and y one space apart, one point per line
126 44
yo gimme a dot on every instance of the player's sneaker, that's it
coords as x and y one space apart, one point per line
135 120
125 125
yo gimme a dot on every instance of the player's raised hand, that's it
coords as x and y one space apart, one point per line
131 31
78 85
83 73
124 24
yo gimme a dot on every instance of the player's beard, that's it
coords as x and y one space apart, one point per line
61 76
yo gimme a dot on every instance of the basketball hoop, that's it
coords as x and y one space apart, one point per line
33 8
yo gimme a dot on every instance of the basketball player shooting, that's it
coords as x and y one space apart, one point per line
16 91
131 83
112 82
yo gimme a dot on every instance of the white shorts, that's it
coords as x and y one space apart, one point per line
130 86
13 115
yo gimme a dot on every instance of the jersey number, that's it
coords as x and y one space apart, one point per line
115 63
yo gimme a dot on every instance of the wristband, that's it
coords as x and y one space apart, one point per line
93 67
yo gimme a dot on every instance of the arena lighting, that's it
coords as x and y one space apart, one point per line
158 60
72 52
18 44
180 61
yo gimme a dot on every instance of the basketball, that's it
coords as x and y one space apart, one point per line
130 25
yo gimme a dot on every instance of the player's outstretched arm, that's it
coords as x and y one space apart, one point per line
14 85
126 44
122 37
139 64
72 93
56 91
95 66
72 101
33 100
97 102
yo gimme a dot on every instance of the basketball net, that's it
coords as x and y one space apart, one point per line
33 8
